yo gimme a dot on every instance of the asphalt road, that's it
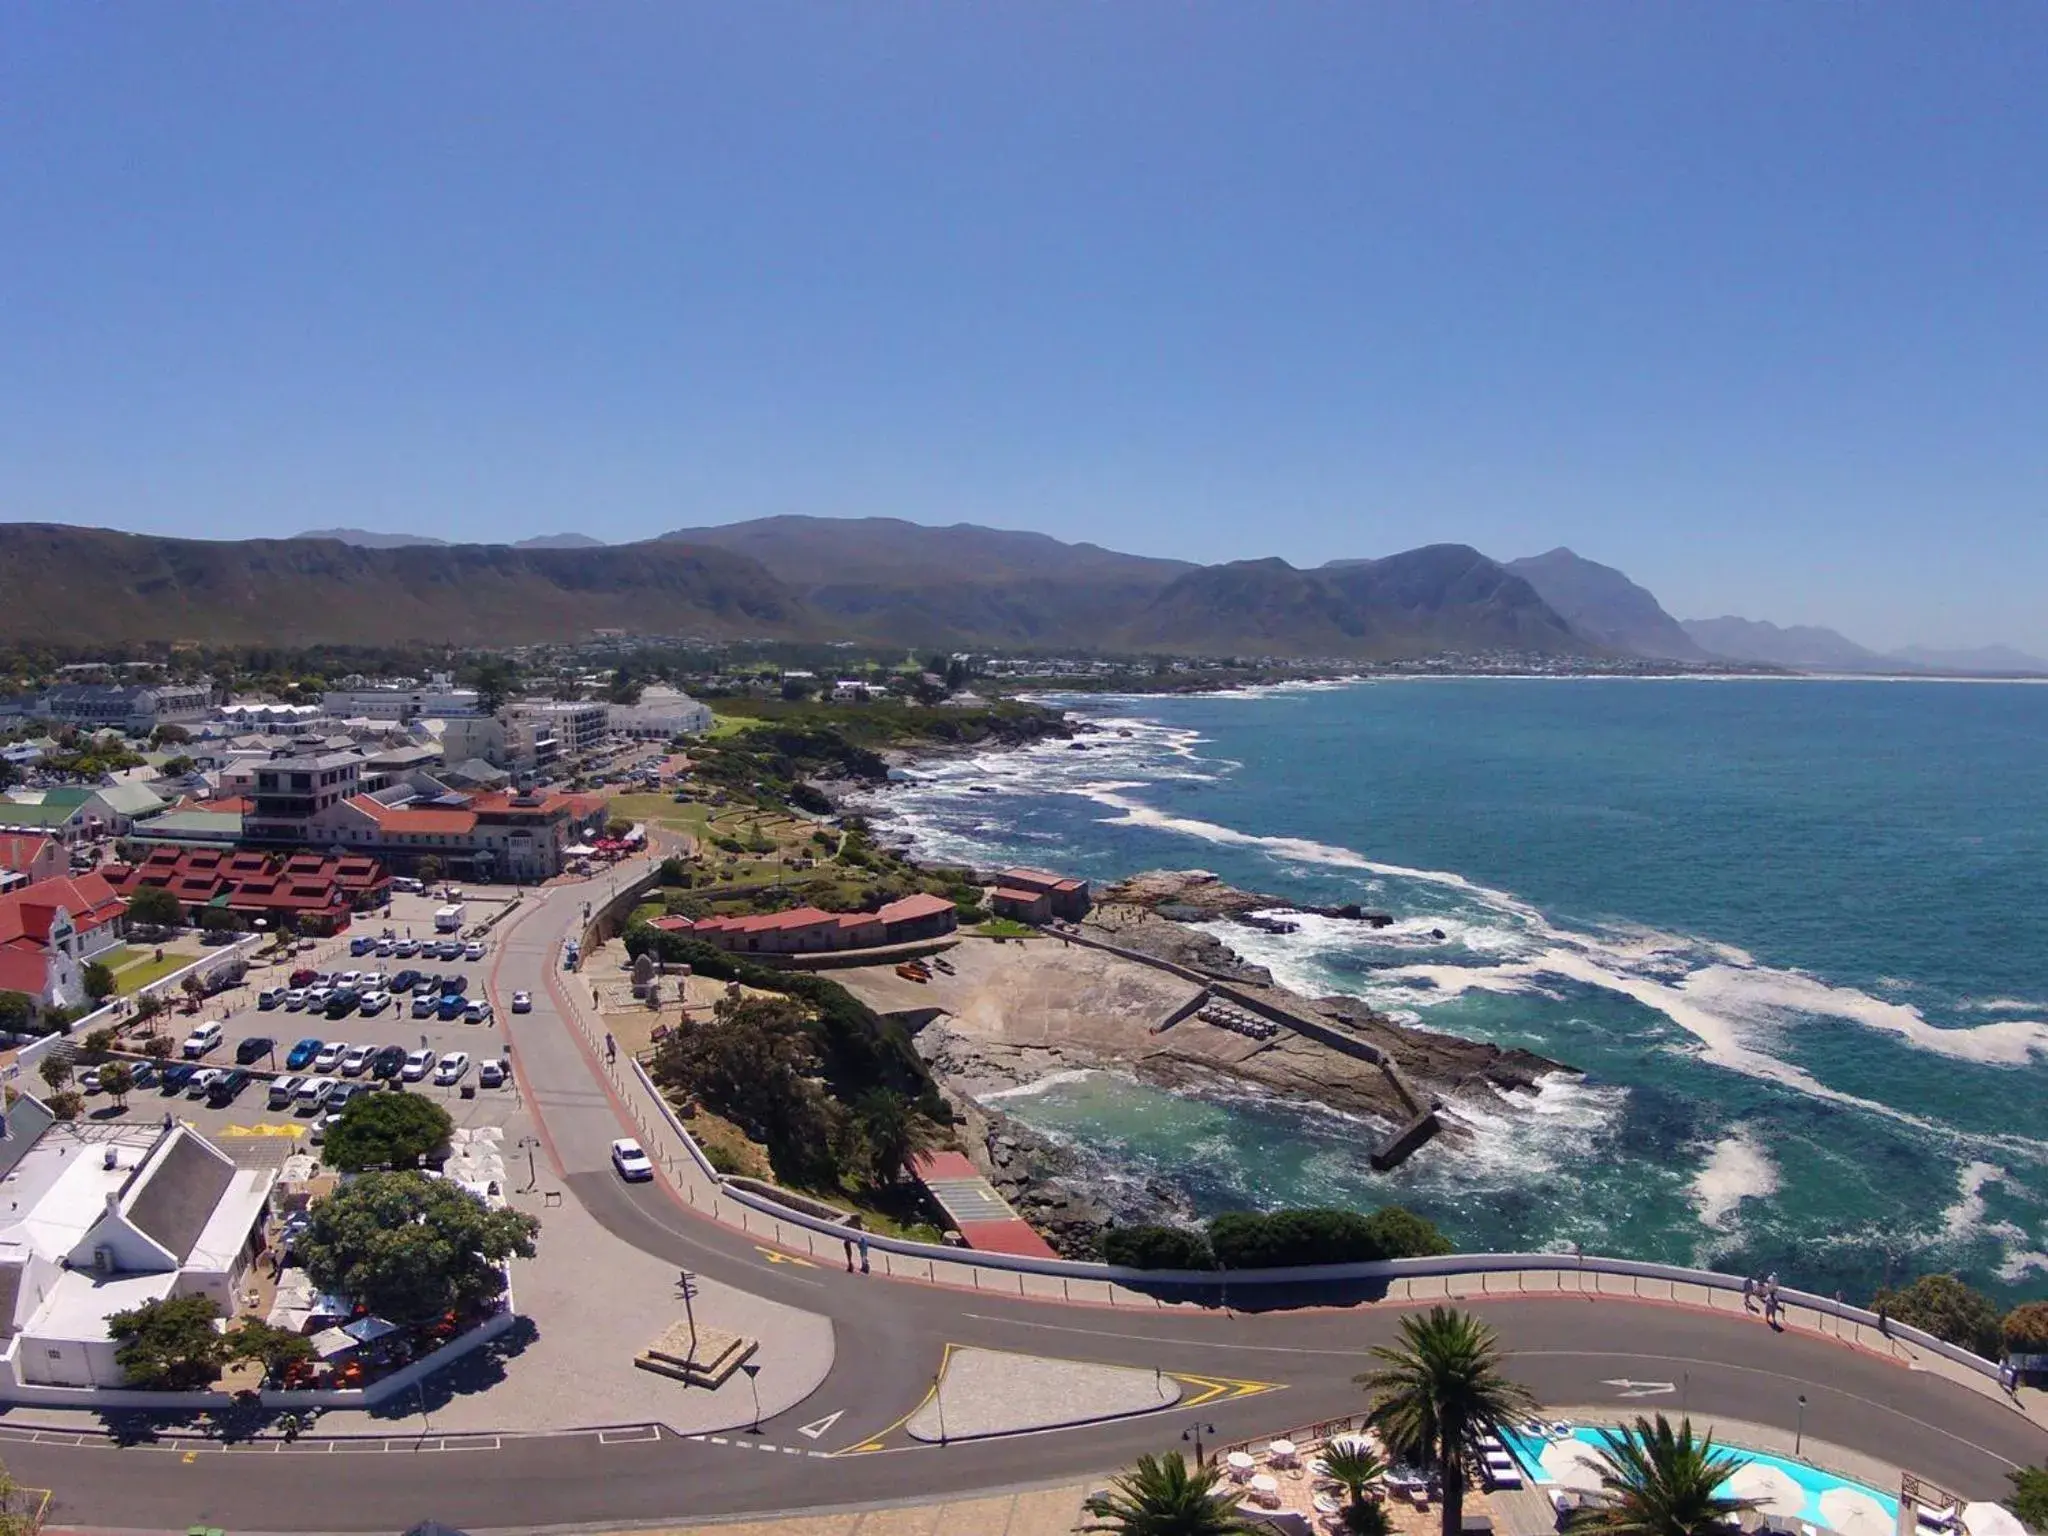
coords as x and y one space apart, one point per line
1258 1373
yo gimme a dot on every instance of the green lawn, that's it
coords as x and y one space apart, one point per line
131 979
1004 928
723 726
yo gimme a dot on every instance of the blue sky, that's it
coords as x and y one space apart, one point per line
1751 301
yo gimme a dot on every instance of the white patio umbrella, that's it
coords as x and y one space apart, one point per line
1771 1489
330 1342
1575 1465
1854 1513
1985 1519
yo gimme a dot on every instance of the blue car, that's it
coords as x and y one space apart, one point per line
302 1055
454 986
451 1006
361 945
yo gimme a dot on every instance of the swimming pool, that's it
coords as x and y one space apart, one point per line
1528 1450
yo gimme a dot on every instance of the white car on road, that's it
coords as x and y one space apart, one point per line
473 950
632 1163
522 1002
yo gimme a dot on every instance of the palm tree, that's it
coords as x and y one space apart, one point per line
1357 1466
1442 1389
1160 1496
1663 1482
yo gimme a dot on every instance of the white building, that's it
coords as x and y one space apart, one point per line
661 713
138 711
438 697
106 1218
576 725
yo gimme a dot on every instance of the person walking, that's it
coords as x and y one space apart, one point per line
849 1255
863 1253
1748 1293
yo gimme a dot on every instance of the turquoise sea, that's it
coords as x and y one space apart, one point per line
1795 933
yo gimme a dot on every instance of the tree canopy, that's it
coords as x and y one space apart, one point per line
411 1248
1161 1496
1661 1481
1945 1307
170 1346
154 906
386 1130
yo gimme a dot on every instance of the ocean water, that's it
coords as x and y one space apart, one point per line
1794 933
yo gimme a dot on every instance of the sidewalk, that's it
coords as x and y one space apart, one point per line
1041 1512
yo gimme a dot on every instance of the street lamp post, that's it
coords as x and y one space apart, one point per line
753 1373
532 1177
1799 1434
687 1284
1194 1432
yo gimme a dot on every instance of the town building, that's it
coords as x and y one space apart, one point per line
107 1218
135 710
660 714
51 930
75 812
1064 897
437 699
498 834
27 857
293 795
577 726
309 893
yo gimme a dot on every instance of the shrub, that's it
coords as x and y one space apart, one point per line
1157 1247
2025 1329
1284 1239
673 871
68 1105
1945 1307
99 981
1401 1234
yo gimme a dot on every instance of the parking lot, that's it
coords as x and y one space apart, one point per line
257 1133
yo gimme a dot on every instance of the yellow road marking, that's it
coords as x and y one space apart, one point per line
190 1457
777 1256
1215 1388
874 1442
265 1129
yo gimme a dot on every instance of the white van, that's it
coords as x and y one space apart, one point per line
203 1038
449 918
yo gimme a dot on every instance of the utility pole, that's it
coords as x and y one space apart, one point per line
1799 1434
687 1284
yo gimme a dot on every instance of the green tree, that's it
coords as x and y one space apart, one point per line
386 1130
98 980
1161 1496
2025 1329
2029 1496
411 1248
158 1048
154 907
1147 1246
1401 1234
17 1009
1439 1392
97 1045
277 1348
1357 1466
118 1078
753 1063
493 678
170 1346
177 767
618 826
218 920
54 1070
1661 1481
169 735
432 868
68 1105
892 1133
1945 1307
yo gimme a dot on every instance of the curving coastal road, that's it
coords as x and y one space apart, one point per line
891 1337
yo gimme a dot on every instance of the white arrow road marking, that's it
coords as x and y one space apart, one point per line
1640 1388
818 1427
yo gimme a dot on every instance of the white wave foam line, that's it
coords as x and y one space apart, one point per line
1961 1221
2005 1005
1738 1169
1037 1085
2008 1042
1512 1136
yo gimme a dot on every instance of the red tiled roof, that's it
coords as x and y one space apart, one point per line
1014 1236
437 819
1011 893
911 908
768 922
23 969
20 850
28 912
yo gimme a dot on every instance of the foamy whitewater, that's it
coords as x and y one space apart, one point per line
1789 930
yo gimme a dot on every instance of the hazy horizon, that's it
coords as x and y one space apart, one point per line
1743 303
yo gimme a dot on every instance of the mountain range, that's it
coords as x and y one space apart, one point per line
879 580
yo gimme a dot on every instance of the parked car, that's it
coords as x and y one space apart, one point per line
304 976
226 1088
405 949
632 1163
201 1082
452 1069
375 1003
348 978
270 997
342 1003
450 1007
176 1076
254 1049
321 1123
317 998
89 1080
454 986
144 1074
301 1055
387 1063
424 1006
493 1074
361 944
330 1055
448 949
294 1000
522 1002
284 1090
357 1061
417 1065
313 1094
204 1037
405 981
386 945
478 1012
473 950
339 1099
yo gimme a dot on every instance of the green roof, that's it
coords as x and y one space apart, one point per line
131 799
71 799
15 814
192 824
